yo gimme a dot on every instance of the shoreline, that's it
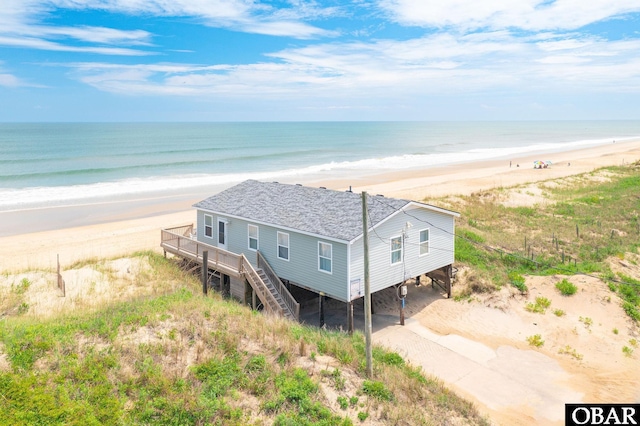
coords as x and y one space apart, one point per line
123 226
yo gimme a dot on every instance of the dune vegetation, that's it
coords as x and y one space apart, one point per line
167 355
568 226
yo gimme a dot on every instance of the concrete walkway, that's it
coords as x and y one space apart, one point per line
504 380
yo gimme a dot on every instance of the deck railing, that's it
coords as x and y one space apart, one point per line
289 300
179 241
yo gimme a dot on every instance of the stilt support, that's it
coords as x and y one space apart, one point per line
205 272
321 308
254 302
350 326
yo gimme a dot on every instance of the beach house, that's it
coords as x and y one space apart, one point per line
312 239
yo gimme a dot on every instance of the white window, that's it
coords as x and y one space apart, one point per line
283 246
208 226
396 250
324 256
252 231
424 242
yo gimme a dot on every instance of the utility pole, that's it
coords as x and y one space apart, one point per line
367 287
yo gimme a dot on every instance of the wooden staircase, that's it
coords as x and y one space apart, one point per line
276 301
273 294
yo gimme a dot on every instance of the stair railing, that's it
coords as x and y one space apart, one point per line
289 300
268 300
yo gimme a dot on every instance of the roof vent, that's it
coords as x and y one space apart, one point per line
379 195
298 184
349 190
323 187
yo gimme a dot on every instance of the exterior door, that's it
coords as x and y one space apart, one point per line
222 234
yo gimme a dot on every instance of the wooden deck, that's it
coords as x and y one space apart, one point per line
274 296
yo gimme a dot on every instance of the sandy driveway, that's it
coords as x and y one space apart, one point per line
518 386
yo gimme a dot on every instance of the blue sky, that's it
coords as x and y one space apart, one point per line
235 60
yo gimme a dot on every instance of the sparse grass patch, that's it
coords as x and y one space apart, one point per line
558 312
23 286
377 389
627 351
540 307
518 282
588 322
535 340
525 211
568 350
566 287
336 377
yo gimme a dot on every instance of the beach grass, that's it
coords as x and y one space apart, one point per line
584 221
176 357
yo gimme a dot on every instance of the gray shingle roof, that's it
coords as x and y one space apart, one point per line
325 212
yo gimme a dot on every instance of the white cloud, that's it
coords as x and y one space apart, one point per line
241 15
40 44
11 81
8 80
438 64
95 34
535 15
21 22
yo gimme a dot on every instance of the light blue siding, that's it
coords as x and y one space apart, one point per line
301 268
381 272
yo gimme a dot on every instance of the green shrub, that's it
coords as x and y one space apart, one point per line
566 287
377 390
535 340
343 401
540 307
517 281
632 311
386 357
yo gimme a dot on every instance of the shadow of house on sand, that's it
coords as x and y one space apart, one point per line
385 306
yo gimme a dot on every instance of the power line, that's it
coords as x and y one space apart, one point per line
504 252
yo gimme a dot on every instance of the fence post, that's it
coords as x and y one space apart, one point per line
61 283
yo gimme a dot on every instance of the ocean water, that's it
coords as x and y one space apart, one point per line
66 164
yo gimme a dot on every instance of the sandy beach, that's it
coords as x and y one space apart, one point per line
483 338
113 229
